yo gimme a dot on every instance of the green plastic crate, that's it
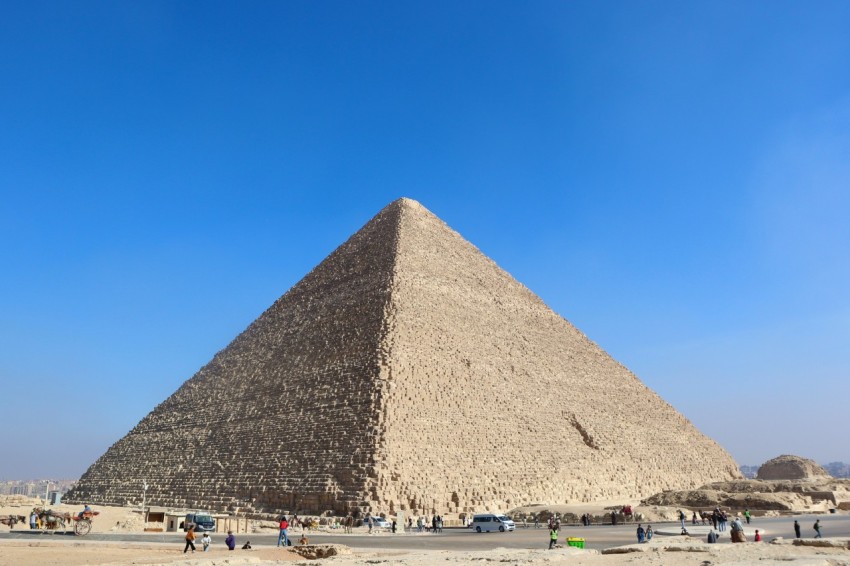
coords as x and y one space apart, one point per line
576 542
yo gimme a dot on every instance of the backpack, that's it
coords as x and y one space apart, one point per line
288 542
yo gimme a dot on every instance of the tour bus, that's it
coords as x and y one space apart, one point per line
490 522
203 522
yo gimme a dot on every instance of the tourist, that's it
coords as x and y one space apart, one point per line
682 518
797 529
370 522
817 529
33 520
648 533
738 531
712 536
190 539
694 518
553 536
757 537
434 524
230 541
641 534
205 541
747 515
439 523
282 537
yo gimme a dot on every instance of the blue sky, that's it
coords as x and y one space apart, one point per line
671 177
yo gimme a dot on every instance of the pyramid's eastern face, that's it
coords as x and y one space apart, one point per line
407 372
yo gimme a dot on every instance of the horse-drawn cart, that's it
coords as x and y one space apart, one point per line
82 522
52 521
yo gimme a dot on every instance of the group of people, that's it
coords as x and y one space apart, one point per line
644 535
206 541
422 524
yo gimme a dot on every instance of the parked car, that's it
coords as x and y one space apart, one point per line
203 522
490 522
379 523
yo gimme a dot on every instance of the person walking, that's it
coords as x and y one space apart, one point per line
648 533
817 529
641 534
205 541
682 518
553 536
797 529
747 515
282 537
190 539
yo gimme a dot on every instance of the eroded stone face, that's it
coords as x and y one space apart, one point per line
407 372
788 467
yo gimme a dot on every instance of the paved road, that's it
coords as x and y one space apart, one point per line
597 536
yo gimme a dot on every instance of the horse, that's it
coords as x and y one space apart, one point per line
51 520
13 520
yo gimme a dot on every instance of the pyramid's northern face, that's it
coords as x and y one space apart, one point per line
407 372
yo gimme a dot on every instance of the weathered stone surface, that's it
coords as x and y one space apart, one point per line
763 495
406 372
316 551
789 467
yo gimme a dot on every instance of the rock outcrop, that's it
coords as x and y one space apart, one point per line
406 372
789 467
811 494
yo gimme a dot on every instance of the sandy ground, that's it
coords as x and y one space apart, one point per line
686 553
78 551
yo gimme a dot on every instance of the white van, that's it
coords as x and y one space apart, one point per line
490 522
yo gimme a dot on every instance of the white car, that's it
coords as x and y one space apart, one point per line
488 522
379 523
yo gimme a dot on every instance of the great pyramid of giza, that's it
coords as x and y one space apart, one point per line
406 372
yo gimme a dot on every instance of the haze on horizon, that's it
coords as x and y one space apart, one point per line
671 178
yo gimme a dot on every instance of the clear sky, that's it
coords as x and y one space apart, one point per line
671 177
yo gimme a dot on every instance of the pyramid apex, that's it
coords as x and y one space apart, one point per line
407 202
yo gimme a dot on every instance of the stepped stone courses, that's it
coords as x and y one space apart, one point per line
406 372
788 467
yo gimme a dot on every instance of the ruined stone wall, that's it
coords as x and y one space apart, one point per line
789 467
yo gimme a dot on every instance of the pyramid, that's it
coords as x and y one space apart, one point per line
406 372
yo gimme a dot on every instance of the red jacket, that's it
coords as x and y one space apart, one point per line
284 524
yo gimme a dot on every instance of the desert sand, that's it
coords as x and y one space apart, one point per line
77 551
671 551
